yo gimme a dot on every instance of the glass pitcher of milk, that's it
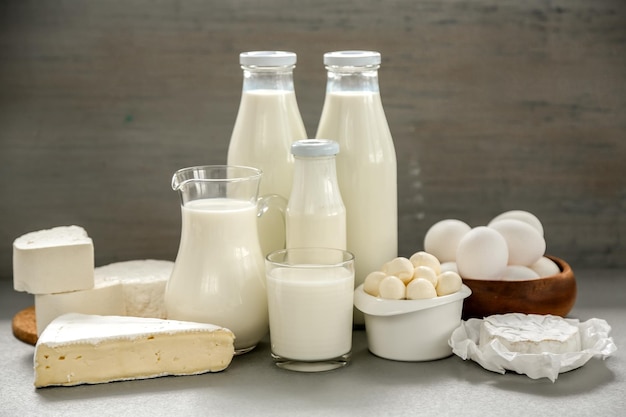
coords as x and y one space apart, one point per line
267 123
353 115
219 273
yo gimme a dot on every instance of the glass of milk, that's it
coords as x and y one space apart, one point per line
310 293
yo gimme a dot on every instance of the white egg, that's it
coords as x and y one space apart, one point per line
545 267
442 239
525 244
449 266
520 215
482 254
519 273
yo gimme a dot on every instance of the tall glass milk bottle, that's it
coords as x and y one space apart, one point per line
353 115
315 216
267 123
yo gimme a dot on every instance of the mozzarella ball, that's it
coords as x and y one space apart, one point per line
520 215
442 239
372 281
401 268
448 283
449 266
426 273
482 254
392 288
422 258
519 273
419 289
545 267
526 245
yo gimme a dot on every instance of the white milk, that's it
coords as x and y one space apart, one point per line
366 171
316 230
310 312
267 123
219 273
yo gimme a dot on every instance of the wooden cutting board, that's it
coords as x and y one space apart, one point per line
24 326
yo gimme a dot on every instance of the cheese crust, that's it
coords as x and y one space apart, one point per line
530 333
88 349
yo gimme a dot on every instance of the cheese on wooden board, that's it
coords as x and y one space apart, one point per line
530 333
88 349
143 284
55 260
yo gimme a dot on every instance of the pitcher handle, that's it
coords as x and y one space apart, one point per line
267 202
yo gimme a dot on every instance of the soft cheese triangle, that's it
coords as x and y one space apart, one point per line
89 349
530 333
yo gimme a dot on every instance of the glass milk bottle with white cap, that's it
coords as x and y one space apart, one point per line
315 215
267 123
353 115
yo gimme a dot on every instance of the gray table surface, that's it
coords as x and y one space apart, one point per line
370 386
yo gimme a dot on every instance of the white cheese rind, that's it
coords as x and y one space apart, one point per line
88 349
143 284
55 260
530 333
106 298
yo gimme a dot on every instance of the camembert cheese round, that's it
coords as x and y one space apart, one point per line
530 333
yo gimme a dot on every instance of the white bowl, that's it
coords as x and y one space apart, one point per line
411 330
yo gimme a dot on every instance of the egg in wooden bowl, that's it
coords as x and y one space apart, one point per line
554 294
504 264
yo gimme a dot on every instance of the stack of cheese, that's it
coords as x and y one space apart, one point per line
83 314
57 266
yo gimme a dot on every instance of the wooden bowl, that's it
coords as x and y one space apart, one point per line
554 295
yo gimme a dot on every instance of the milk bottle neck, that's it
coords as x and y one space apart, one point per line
316 178
352 78
268 78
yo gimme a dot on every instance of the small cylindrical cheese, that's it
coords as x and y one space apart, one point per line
371 284
422 258
392 288
420 288
53 261
448 282
401 268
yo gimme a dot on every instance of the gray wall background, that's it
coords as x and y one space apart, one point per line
493 105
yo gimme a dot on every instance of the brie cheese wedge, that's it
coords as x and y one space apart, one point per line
530 333
88 349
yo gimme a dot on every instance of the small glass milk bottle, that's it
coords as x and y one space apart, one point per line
353 116
315 215
267 123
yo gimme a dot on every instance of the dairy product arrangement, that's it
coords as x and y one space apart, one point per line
148 318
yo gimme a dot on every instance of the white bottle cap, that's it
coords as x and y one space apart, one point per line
267 58
314 147
352 58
